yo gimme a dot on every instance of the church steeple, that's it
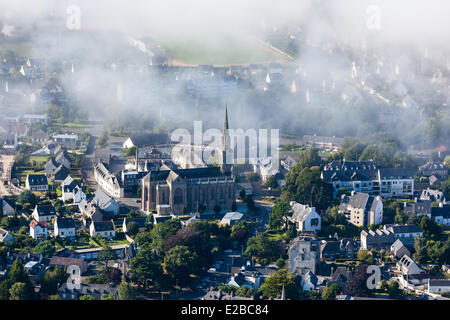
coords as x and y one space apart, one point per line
225 168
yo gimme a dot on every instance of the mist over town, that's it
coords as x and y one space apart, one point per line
333 188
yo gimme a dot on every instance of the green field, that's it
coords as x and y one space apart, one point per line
224 50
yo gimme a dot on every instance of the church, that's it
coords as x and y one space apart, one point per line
181 191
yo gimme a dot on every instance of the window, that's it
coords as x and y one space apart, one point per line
314 222
178 196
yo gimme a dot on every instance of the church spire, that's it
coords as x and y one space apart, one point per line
225 168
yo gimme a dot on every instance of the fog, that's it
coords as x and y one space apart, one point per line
112 80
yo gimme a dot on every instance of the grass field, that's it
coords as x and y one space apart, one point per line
225 50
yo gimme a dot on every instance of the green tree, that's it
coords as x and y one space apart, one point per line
271 182
46 248
242 194
260 246
330 292
126 291
105 255
280 212
145 269
108 296
18 291
132 228
273 285
180 262
365 257
86 297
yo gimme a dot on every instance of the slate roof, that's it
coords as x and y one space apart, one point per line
300 212
403 228
65 223
103 226
195 173
396 173
443 211
45 210
350 171
139 221
150 139
61 173
37 180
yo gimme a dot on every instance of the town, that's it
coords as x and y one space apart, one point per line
96 205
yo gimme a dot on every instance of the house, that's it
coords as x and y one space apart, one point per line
91 211
108 181
66 262
289 161
323 143
349 247
65 228
139 221
309 282
45 213
8 207
6 237
61 159
105 229
408 267
36 182
106 203
330 250
438 285
441 214
38 230
61 173
67 292
66 140
418 207
250 279
361 209
102 155
341 276
231 218
433 195
266 168
146 140
304 256
398 249
51 166
378 239
438 169
305 218
367 177
406 232
73 191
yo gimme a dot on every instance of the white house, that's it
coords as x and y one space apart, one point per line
105 229
8 207
438 285
44 213
38 230
266 167
74 192
309 282
305 217
65 228
408 267
36 182
231 218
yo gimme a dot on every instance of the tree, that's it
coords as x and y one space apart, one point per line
46 248
162 231
132 228
18 273
180 262
357 284
18 291
252 177
105 255
114 276
279 215
365 257
330 292
27 197
145 269
280 263
103 139
271 182
5 285
305 185
393 289
430 229
86 297
51 280
108 296
242 194
273 285
126 291
234 206
260 246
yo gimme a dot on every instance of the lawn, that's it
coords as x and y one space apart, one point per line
236 49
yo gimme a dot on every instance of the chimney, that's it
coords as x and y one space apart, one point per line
353 192
404 204
415 199
441 205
